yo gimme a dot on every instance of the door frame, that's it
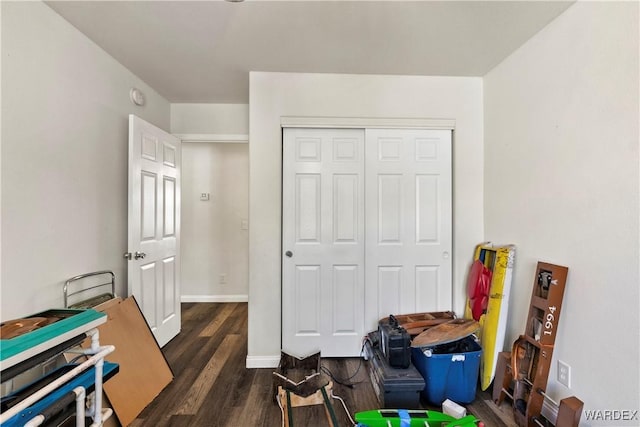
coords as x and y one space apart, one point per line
366 122
213 138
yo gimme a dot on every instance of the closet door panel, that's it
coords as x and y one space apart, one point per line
408 222
389 209
323 237
427 209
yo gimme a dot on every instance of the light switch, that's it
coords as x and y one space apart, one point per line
244 224
204 197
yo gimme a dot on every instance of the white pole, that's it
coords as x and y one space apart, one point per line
80 399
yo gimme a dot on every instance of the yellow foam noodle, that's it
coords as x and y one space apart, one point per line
493 322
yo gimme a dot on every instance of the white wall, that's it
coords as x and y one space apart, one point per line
213 241
273 95
225 119
561 182
1 60
65 106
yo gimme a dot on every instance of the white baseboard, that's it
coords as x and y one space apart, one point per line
214 298
549 411
254 362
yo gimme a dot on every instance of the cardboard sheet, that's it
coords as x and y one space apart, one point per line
144 371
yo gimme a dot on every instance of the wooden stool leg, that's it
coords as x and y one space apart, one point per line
285 401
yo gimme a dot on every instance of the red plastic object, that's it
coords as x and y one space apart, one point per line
478 287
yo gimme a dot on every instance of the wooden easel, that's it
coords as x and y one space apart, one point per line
289 400
292 392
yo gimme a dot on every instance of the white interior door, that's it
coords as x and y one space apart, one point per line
154 226
408 222
323 241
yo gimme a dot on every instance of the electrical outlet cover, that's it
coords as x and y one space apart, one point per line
564 374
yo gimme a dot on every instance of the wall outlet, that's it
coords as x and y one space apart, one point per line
564 373
223 279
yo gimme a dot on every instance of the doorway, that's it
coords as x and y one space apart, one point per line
215 223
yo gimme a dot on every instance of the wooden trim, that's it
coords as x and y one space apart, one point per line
214 298
253 362
213 137
365 122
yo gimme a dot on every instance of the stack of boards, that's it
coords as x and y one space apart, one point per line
495 267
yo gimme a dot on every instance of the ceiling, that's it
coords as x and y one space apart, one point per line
202 51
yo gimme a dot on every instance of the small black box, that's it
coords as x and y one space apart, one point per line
395 343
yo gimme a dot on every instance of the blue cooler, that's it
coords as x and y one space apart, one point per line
450 371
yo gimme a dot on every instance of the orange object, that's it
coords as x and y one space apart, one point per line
14 328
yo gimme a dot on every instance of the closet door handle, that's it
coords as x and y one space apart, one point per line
289 254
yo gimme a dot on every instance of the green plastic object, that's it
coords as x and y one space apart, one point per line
69 320
413 418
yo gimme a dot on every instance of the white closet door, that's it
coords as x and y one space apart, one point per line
323 242
408 222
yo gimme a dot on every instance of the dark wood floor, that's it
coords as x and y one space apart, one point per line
213 388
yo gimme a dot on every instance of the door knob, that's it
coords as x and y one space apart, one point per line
289 254
136 255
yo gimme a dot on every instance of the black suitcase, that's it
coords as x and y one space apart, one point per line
395 343
397 388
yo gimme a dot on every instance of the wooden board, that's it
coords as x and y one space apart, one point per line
417 323
418 317
444 333
144 371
